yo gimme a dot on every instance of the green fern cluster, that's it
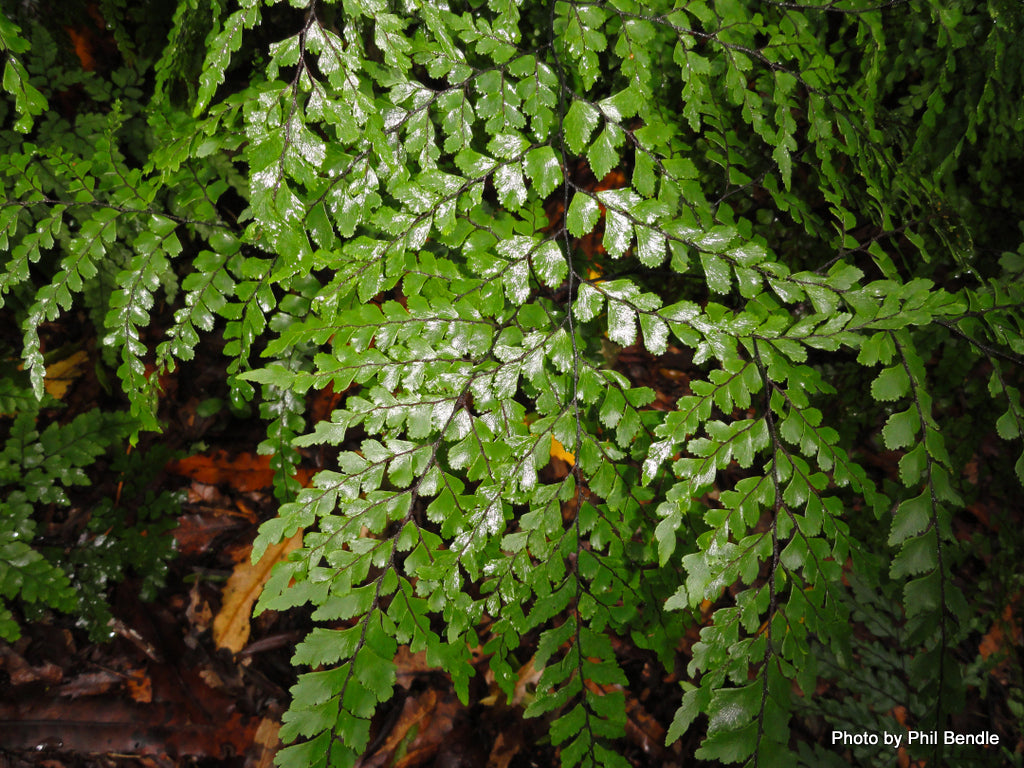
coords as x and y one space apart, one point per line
39 469
402 205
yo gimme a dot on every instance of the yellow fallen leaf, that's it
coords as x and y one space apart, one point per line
266 744
231 624
558 451
59 375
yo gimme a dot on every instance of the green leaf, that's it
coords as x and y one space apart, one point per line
579 123
621 323
655 332
508 181
877 348
220 50
588 304
917 555
716 270
542 167
1008 425
618 234
913 465
582 215
650 246
911 518
732 736
901 429
603 153
923 595
550 264
891 384
694 702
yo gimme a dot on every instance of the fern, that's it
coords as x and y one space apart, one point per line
40 468
454 213
28 101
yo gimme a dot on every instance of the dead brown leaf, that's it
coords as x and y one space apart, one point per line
424 724
244 472
198 613
103 725
529 676
196 532
21 672
558 452
1003 637
231 625
265 744
416 713
211 678
642 728
90 684
139 686
61 374
505 748
410 665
